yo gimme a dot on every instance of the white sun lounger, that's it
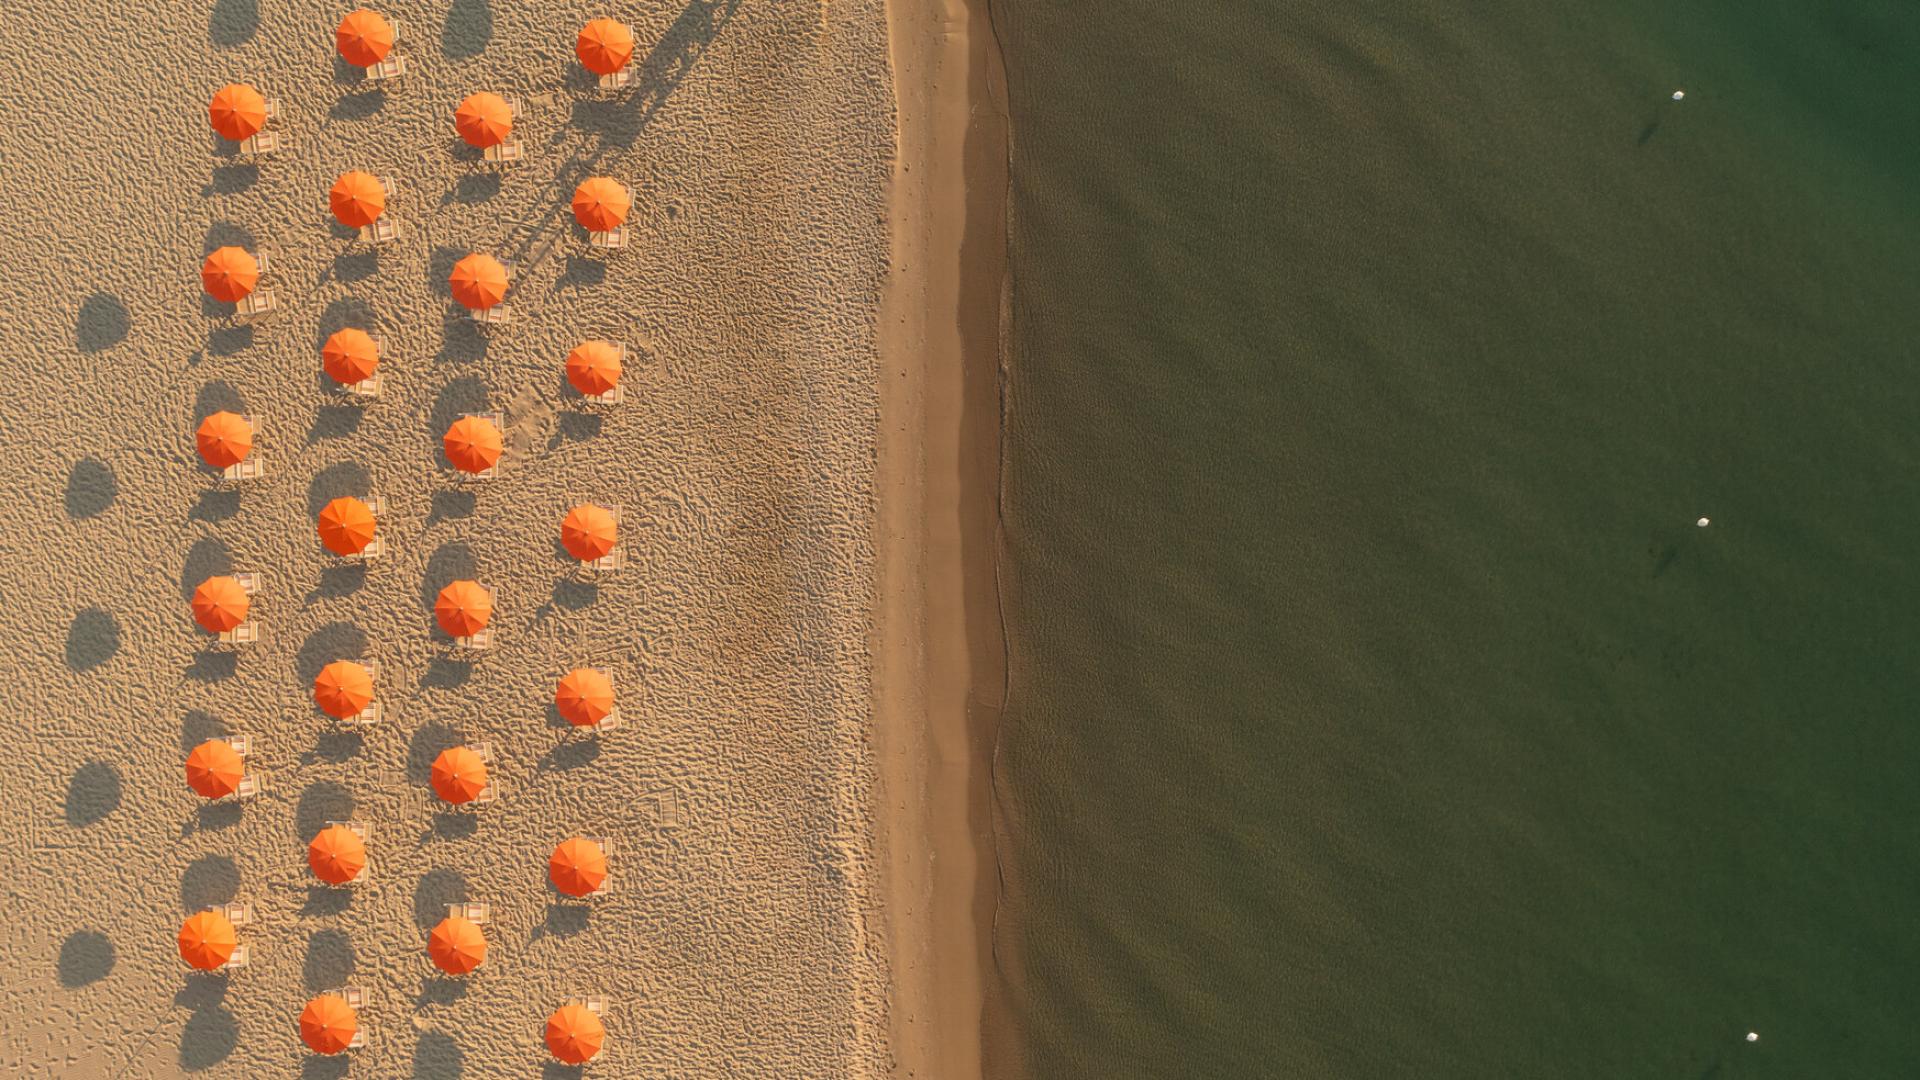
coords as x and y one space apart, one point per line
507 152
247 633
474 911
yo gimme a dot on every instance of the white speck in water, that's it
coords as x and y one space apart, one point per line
1703 523
1678 94
1753 1036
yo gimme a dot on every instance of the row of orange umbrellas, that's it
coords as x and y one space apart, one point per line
583 696
328 1024
364 38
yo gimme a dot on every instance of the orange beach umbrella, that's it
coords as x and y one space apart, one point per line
588 532
584 697
478 282
229 274
578 867
328 1024
604 46
600 204
456 946
463 608
472 443
343 688
237 111
219 604
484 120
336 855
363 38
350 355
347 526
207 940
593 367
458 775
224 439
357 199
574 1034
214 768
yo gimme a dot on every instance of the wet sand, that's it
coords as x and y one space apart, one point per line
939 647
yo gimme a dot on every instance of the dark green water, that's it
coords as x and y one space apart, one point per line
1377 708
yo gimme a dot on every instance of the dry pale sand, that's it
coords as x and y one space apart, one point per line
745 937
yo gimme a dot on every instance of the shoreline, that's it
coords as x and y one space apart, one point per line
939 649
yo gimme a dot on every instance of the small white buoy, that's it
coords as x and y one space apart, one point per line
1753 1036
1678 94
1703 523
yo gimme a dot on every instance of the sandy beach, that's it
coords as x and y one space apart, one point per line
775 906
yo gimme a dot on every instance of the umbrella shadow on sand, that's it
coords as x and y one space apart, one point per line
329 964
91 488
85 957
102 322
233 22
92 639
333 641
92 794
208 881
436 1056
207 558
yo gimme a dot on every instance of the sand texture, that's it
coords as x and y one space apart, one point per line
741 939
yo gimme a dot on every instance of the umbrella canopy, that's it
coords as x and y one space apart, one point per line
327 1024
346 526
574 1034
478 282
214 768
350 355
593 367
604 46
343 688
588 532
577 867
238 111
336 855
207 940
584 697
224 439
229 274
600 204
219 604
357 199
456 946
458 775
484 120
363 38
463 608
473 444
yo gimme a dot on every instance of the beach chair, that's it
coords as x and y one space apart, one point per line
237 912
354 996
616 558
371 714
493 316
240 958
240 743
483 750
273 109
358 1041
487 795
368 387
613 239
594 1003
619 80
263 144
249 582
250 467
610 721
257 302
374 549
474 911
382 231
248 787
247 633
389 69
508 151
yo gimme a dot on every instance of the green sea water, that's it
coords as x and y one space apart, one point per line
1377 708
